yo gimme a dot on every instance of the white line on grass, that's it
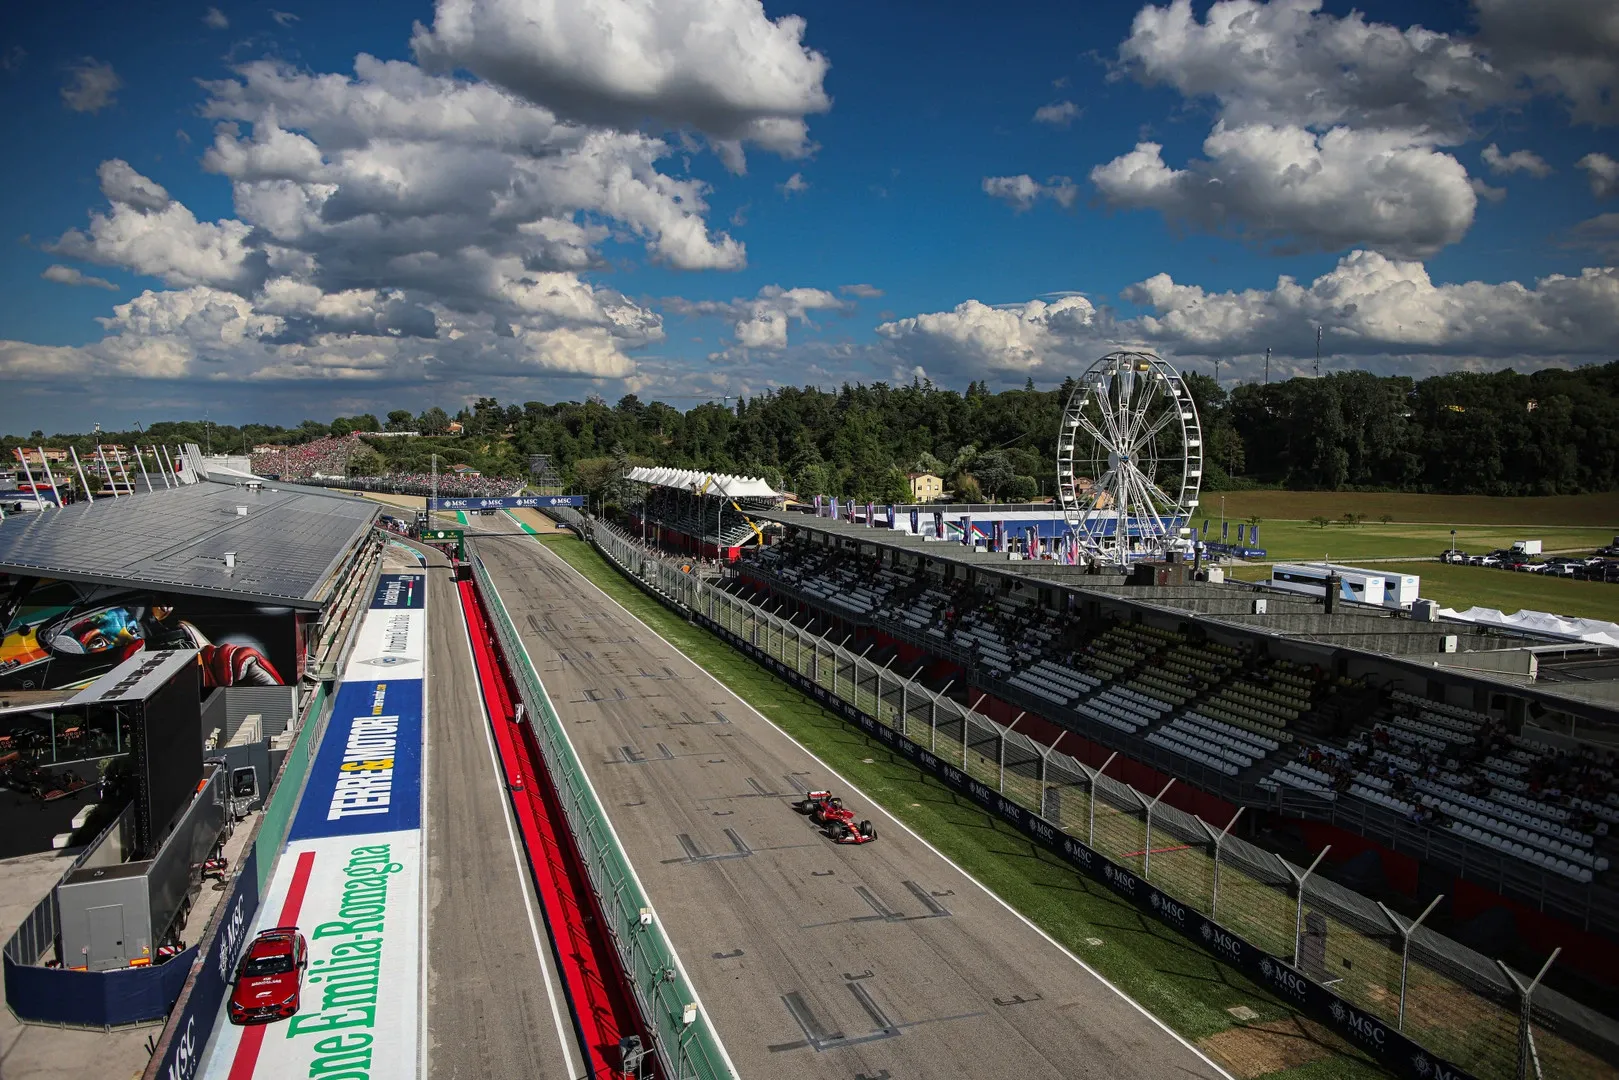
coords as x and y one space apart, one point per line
987 890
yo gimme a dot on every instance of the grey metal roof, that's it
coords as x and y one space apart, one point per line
175 540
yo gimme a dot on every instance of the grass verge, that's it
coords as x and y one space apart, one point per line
1594 511
1179 983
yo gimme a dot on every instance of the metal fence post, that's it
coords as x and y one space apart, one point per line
1298 918
1405 933
1146 848
1090 836
1219 842
1007 730
1528 1056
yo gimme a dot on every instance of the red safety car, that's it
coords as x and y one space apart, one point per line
270 978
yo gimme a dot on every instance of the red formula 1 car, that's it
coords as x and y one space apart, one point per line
270 979
851 832
824 808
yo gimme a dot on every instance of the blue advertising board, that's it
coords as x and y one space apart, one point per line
189 1029
509 502
367 776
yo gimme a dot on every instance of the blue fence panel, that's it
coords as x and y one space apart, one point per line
91 999
190 1028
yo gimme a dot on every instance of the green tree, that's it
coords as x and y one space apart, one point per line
1020 489
993 471
399 420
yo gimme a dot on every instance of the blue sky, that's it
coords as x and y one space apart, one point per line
219 209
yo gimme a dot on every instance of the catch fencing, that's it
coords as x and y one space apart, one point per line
1420 1003
683 1039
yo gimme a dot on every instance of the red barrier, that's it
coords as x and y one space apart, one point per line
603 1010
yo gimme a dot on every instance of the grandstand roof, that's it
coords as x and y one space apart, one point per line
733 487
286 546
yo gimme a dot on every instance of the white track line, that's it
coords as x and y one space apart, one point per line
673 952
517 858
987 890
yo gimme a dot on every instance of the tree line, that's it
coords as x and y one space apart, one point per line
1551 432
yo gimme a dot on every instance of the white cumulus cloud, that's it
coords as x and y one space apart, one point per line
1290 188
722 67
1526 161
761 322
1057 114
1021 192
1603 173
67 275
976 337
214 19
1371 304
94 85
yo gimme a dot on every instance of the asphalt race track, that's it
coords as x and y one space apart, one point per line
489 991
813 960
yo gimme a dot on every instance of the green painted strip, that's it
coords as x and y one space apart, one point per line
278 814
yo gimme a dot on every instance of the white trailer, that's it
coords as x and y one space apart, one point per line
1527 547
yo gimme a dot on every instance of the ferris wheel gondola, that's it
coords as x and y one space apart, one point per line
1130 458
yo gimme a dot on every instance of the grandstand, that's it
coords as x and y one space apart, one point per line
326 463
1421 738
710 515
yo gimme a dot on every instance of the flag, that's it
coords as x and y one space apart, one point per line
916 522
998 536
938 524
1224 531
1253 536
834 513
967 529
890 517
1242 533
871 515
1205 528
817 506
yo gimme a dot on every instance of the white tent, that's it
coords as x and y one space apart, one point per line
732 487
1594 631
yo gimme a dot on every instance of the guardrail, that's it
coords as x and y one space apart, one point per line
1407 996
682 1035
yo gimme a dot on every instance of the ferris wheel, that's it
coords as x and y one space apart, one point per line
1130 458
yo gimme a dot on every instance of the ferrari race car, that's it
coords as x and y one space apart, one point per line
824 808
851 832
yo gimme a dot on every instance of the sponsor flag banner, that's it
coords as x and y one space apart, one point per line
834 513
938 524
817 506
916 522
1253 535
871 515
967 529
1242 532
1224 533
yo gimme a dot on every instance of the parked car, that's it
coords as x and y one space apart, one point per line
1492 559
1453 556
270 979
1561 566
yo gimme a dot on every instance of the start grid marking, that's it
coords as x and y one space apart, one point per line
350 876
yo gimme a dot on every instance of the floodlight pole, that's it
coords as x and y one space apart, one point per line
1405 931
1298 918
1090 836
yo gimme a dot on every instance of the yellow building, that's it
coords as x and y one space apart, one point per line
925 487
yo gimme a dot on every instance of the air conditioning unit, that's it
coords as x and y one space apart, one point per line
1261 605
1425 611
1450 643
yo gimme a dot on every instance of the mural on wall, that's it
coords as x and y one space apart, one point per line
63 635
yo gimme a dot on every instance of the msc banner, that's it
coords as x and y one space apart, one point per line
511 502
367 775
1388 1047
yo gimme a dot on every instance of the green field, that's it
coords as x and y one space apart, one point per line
1592 511
1179 983
1296 540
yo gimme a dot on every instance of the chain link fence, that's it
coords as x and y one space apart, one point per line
1455 1002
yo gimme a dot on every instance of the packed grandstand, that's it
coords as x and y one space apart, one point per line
326 462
